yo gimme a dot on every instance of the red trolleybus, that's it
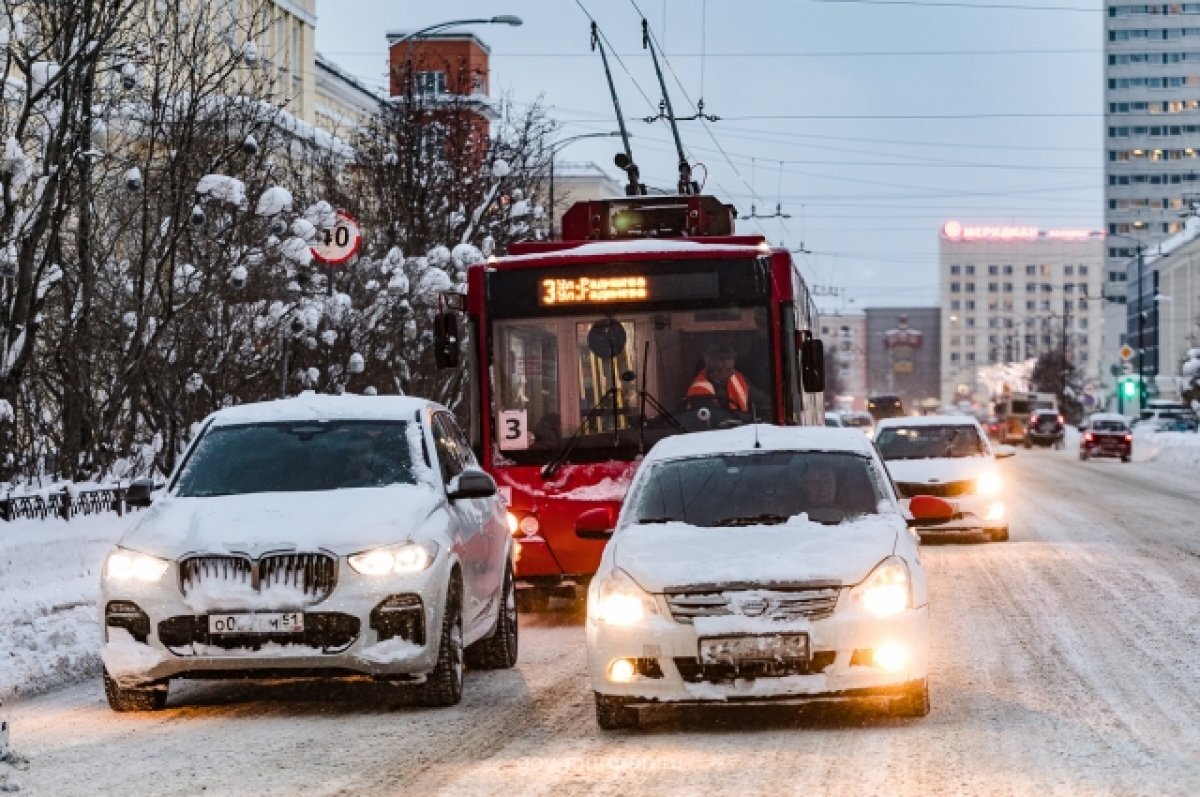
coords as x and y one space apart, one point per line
586 351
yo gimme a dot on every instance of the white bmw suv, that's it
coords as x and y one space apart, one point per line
320 535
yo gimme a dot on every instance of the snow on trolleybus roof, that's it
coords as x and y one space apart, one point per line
314 407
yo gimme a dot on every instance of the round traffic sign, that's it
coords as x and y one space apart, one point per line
337 244
1126 352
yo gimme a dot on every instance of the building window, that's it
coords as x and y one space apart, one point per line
1083 270
969 270
970 304
1030 305
970 287
971 322
1030 270
955 305
431 83
993 287
1008 287
1008 270
955 269
955 287
970 356
1069 270
953 356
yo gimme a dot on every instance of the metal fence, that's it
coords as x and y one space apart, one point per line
63 504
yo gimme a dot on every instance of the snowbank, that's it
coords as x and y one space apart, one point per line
1177 449
49 582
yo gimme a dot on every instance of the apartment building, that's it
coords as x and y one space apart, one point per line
1010 293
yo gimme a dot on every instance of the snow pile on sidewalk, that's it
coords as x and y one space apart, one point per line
1178 449
49 583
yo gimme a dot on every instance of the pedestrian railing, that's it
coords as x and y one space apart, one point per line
63 504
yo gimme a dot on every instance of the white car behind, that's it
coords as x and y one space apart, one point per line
735 574
315 536
950 457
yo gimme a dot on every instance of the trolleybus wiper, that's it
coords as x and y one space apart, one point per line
553 465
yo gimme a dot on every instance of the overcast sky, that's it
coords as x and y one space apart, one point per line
889 116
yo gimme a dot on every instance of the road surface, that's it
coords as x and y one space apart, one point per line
1066 661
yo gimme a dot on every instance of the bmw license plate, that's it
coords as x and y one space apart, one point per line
258 623
770 647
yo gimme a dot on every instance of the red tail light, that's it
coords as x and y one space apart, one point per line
1087 438
1060 420
1128 438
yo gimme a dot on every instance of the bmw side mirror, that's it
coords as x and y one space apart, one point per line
139 493
471 483
595 524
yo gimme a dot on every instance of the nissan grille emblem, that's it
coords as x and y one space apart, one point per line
755 607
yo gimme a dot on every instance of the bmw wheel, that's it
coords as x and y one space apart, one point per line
151 697
499 651
444 686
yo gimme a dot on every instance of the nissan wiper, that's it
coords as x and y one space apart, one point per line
752 520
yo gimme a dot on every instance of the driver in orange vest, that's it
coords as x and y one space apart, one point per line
720 379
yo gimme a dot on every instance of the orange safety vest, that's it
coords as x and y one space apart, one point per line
737 390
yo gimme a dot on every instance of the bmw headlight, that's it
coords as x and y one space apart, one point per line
124 565
888 590
620 601
411 557
988 483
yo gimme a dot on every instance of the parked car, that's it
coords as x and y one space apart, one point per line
949 457
833 419
1045 428
1106 435
758 564
320 535
1166 416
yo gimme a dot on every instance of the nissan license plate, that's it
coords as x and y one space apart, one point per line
258 623
771 647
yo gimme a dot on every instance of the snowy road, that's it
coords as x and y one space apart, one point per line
1064 662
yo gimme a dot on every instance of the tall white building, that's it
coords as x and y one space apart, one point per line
846 334
1009 293
1152 137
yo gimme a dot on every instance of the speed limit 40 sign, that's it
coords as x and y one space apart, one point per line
337 244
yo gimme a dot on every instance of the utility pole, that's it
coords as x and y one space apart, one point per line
1141 326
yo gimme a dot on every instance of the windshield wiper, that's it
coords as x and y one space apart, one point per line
554 464
752 520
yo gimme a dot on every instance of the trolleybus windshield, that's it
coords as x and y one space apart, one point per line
617 357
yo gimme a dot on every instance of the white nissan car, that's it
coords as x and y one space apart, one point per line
948 456
320 535
758 564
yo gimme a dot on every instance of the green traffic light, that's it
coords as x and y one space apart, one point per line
1129 388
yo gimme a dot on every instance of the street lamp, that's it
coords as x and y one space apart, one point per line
503 19
554 148
1141 320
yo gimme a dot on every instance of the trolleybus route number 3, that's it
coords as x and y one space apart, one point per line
337 244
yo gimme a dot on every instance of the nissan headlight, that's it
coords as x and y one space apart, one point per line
411 557
888 590
988 483
620 601
124 565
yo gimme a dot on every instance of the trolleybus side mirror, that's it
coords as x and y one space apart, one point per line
445 340
812 365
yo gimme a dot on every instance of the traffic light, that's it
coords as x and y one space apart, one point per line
1129 388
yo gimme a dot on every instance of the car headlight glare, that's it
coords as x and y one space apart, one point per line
412 557
888 590
988 483
132 566
620 601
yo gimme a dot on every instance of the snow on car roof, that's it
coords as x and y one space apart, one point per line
314 407
640 245
928 420
770 438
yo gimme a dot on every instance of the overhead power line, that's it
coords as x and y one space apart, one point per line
973 6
